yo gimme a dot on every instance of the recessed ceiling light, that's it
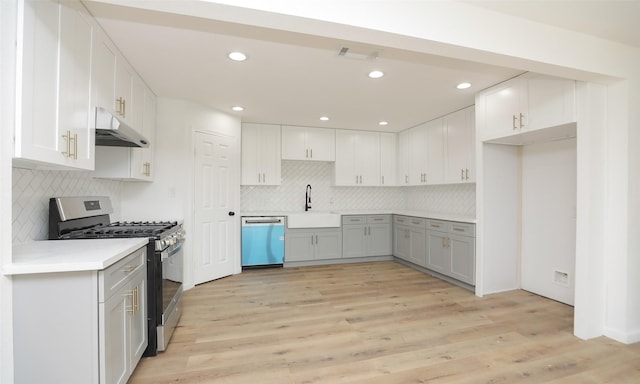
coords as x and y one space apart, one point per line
237 56
376 74
463 85
383 123
324 118
238 108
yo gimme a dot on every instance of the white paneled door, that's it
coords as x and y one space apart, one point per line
216 198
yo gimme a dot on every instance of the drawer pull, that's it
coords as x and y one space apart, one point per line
435 225
129 268
458 229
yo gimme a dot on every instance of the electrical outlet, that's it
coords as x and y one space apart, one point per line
561 278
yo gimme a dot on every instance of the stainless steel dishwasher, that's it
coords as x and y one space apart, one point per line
262 241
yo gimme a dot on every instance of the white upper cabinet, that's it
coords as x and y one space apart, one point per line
261 163
133 164
53 86
435 152
116 86
402 175
441 151
524 104
418 152
388 158
305 143
357 158
460 146
142 167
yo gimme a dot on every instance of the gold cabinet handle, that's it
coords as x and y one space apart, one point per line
119 104
306 153
75 146
382 180
311 151
514 122
462 174
467 173
124 108
67 139
521 117
130 308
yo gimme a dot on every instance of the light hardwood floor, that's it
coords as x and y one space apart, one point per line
376 323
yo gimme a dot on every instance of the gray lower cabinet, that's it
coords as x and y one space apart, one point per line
410 239
451 249
366 235
81 327
313 244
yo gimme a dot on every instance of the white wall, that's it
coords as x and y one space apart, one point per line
549 218
170 196
7 105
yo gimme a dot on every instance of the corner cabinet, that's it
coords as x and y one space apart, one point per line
81 327
357 158
305 143
312 244
53 115
366 235
261 162
410 239
524 104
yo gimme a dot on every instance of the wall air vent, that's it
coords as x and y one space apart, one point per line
350 53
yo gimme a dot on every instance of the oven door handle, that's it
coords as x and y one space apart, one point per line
164 255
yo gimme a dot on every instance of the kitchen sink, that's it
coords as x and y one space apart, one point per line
313 220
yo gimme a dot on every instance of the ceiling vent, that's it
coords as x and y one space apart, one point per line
350 53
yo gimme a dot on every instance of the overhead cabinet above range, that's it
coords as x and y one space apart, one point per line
306 143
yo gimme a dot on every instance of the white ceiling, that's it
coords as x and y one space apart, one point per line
293 79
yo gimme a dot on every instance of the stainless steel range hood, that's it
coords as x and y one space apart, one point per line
112 132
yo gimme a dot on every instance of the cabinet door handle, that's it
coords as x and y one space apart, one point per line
467 173
67 139
316 239
130 308
521 117
406 179
461 174
311 152
382 180
514 122
306 153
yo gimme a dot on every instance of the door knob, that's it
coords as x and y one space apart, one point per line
231 213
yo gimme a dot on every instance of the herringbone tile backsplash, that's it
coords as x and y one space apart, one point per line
32 190
289 196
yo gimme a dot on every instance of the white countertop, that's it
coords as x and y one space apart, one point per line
70 255
405 212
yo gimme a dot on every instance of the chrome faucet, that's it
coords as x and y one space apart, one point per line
307 198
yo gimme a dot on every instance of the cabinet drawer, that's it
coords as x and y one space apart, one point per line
117 275
379 219
437 225
401 220
359 219
416 222
464 229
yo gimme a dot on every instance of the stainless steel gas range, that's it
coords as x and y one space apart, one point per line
88 218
